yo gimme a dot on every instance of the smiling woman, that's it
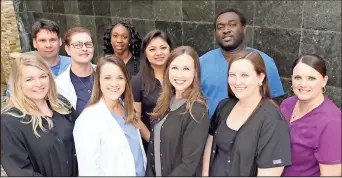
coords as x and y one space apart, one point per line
113 145
248 135
36 128
315 121
146 85
180 119
123 41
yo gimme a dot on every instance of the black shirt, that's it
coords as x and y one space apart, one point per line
182 142
148 102
24 154
262 142
224 138
82 87
132 66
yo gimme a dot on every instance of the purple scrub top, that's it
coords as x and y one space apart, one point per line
315 138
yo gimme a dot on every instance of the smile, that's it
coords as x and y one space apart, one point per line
38 90
239 89
114 90
159 58
179 81
302 90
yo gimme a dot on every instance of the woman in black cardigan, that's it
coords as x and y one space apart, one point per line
180 129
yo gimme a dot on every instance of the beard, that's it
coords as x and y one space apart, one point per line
236 42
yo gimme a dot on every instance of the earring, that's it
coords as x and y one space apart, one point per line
324 89
291 88
260 84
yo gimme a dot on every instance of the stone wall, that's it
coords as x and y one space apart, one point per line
9 39
283 29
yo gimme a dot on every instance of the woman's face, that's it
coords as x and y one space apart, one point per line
112 81
34 82
81 48
307 83
243 79
120 38
182 72
157 51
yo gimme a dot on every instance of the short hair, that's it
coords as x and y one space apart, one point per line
74 30
243 19
147 73
45 24
313 60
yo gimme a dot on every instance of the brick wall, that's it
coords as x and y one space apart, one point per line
9 39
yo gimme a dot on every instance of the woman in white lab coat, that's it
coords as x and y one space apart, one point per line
106 138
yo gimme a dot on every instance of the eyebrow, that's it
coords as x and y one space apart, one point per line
222 23
156 46
83 42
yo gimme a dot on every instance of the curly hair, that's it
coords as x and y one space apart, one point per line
134 41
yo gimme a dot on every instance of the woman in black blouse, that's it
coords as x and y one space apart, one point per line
248 135
180 119
122 40
146 85
36 128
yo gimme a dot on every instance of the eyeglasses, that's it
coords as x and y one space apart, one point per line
80 45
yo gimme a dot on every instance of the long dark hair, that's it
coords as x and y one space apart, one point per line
134 41
148 80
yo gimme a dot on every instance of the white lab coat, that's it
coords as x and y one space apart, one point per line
66 88
101 146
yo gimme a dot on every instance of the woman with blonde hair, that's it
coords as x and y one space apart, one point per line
108 142
180 119
36 128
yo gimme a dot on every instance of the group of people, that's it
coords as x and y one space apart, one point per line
147 108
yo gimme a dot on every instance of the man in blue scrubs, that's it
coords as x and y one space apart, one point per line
47 41
230 30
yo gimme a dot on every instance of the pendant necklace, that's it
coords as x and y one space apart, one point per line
89 89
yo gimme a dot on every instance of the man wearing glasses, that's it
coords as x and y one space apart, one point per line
47 41
76 82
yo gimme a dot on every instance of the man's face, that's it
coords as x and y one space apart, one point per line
229 31
47 43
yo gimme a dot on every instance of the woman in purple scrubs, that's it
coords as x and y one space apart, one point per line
314 120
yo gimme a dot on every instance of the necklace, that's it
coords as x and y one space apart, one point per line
89 89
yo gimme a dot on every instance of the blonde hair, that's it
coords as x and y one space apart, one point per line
127 95
23 103
192 94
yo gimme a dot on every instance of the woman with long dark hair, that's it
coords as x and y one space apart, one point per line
147 84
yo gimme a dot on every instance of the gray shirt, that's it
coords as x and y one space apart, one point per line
174 104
